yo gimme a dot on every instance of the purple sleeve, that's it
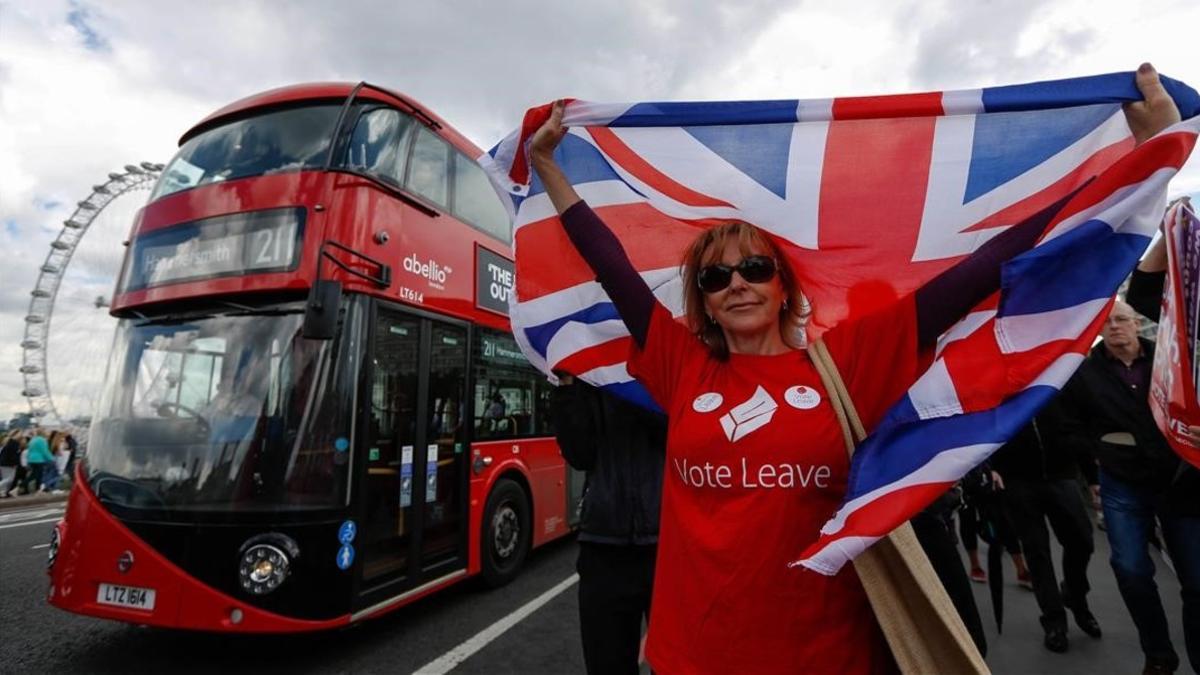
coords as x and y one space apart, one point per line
948 297
599 247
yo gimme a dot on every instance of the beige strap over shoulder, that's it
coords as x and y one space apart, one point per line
922 626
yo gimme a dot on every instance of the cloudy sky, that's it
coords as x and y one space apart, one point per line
87 87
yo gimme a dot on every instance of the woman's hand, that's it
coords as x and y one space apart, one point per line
549 135
1155 112
541 157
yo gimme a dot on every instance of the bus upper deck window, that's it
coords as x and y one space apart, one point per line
379 142
276 141
476 201
429 170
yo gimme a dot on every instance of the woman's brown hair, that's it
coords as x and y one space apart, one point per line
705 250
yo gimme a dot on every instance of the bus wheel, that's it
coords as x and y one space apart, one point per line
506 533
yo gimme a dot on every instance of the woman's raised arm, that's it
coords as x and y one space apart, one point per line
595 242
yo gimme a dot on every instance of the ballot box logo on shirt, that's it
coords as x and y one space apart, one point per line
749 416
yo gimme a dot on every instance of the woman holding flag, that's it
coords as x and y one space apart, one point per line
756 460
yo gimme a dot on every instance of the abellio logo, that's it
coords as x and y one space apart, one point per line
433 272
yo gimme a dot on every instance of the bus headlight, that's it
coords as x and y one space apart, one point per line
265 562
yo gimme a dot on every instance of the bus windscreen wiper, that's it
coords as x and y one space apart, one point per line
171 319
275 311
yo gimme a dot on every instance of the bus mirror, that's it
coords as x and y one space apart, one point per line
321 310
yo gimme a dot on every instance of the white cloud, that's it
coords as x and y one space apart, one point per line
87 87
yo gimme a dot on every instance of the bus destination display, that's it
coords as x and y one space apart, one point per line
243 243
500 349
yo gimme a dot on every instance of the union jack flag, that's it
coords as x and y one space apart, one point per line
870 197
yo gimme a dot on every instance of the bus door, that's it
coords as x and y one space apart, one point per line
414 518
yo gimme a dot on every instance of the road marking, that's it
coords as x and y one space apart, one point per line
461 653
1168 562
32 522
33 513
39 546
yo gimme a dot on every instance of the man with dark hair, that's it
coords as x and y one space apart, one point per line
621 446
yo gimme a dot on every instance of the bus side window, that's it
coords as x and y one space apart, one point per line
542 420
511 396
379 144
429 168
476 201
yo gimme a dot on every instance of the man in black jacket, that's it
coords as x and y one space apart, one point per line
1141 480
1038 470
622 448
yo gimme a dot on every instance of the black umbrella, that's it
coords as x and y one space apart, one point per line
992 531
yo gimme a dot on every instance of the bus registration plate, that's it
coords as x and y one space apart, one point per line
126 596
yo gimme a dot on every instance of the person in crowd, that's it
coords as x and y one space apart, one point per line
1141 479
10 461
744 416
979 486
1038 471
72 453
620 446
62 455
54 470
39 459
934 528
23 477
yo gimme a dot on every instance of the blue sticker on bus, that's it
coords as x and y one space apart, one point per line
431 473
347 531
342 444
345 557
406 470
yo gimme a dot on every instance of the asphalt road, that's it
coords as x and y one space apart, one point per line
35 638
1019 649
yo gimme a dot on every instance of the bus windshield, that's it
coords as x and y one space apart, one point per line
273 142
232 411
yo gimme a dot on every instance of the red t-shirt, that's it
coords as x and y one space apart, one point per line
755 466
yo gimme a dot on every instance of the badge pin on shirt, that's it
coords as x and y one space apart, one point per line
802 397
705 403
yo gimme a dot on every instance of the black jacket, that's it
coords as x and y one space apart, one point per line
1053 446
1108 406
1145 293
10 454
622 448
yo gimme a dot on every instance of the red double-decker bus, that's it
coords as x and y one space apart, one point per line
314 411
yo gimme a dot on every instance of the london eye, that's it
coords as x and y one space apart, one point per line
68 330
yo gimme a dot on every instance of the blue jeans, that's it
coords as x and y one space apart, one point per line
1129 513
50 475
